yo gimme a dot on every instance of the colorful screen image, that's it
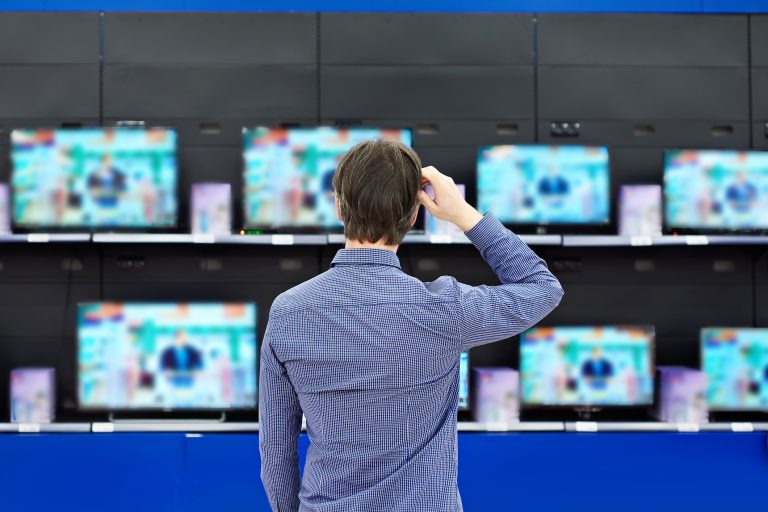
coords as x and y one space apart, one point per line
289 173
640 210
736 364
464 381
94 178
167 356
544 184
211 209
33 397
587 366
435 226
725 190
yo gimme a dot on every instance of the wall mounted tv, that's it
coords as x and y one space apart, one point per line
546 187
94 178
167 356
289 174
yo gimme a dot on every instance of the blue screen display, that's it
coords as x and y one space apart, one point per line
544 184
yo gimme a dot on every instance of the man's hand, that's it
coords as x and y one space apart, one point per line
448 204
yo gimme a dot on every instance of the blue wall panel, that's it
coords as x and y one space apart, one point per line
741 6
706 472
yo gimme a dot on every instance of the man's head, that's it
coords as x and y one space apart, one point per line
377 187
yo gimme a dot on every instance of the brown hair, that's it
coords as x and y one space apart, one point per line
377 183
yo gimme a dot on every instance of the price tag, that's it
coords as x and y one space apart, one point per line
38 238
103 427
586 426
696 240
440 239
282 239
29 428
193 435
640 241
687 427
742 427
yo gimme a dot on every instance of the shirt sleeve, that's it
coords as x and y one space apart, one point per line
279 428
528 291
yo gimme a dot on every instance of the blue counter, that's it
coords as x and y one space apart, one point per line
594 472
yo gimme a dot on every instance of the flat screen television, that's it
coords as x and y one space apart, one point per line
716 191
289 174
540 186
587 366
464 381
94 178
167 356
735 361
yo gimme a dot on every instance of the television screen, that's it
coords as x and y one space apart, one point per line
587 366
640 210
167 356
289 173
544 184
464 381
94 178
211 208
33 397
5 209
716 190
736 364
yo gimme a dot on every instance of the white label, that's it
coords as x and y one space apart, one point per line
103 427
440 239
194 435
38 238
639 240
687 427
29 428
696 240
203 239
586 426
742 427
282 239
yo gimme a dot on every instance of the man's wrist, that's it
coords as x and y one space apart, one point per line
468 218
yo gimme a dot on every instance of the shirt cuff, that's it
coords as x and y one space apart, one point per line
486 231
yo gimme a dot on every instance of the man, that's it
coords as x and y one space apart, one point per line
597 370
106 184
181 361
370 355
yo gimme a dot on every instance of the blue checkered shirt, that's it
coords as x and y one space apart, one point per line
370 355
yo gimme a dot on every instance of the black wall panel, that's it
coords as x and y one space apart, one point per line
642 40
49 38
426 39
759 54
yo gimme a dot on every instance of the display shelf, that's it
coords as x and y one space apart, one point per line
34 428
659 241
174 426
45 238
523 426
657 426
182 238
278 239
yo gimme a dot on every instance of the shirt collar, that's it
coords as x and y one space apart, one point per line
366 257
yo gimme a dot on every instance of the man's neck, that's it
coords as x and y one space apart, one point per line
356 244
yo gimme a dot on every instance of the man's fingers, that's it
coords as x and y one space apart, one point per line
430 173
428 203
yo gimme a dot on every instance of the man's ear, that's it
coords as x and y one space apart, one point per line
338 208
415 215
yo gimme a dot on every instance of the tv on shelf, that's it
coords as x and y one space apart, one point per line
735 361
715 191
167 356
289 174
558 187
587 366
94 178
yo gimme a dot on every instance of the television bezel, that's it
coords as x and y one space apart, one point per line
670 229
309 229
164 410
557 228
18 227
651 329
